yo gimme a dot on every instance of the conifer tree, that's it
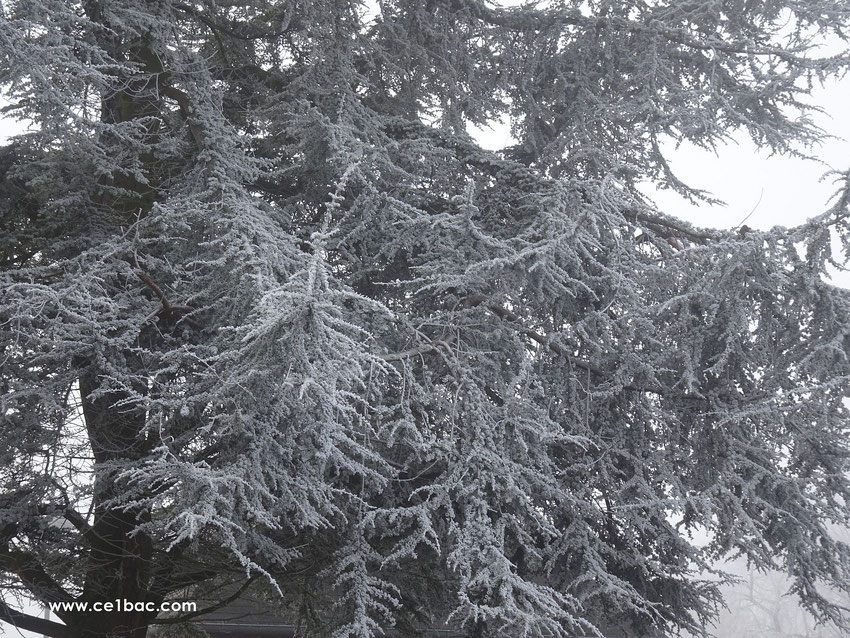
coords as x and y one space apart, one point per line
270 315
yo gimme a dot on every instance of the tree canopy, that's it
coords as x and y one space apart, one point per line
270 315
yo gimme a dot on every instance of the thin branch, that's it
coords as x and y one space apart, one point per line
156 289
668 225
750 214
211 25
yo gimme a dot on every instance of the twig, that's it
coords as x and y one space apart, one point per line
750 214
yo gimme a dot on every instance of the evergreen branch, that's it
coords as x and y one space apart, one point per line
503 313
431 346
529 19
665 226
492 164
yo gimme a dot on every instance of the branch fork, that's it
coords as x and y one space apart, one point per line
166 309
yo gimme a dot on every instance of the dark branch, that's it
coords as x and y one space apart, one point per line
663 225
156 289
165 307
207 610
503 313
431 346
33 576
26 622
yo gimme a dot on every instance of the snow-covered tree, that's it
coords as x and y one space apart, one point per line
270 314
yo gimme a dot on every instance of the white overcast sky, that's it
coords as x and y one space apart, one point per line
777 190
789 188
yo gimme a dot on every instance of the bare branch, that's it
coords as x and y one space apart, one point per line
156 289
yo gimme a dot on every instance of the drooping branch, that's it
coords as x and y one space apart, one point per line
26 622
33 576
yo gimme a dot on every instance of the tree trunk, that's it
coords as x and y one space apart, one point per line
119 560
